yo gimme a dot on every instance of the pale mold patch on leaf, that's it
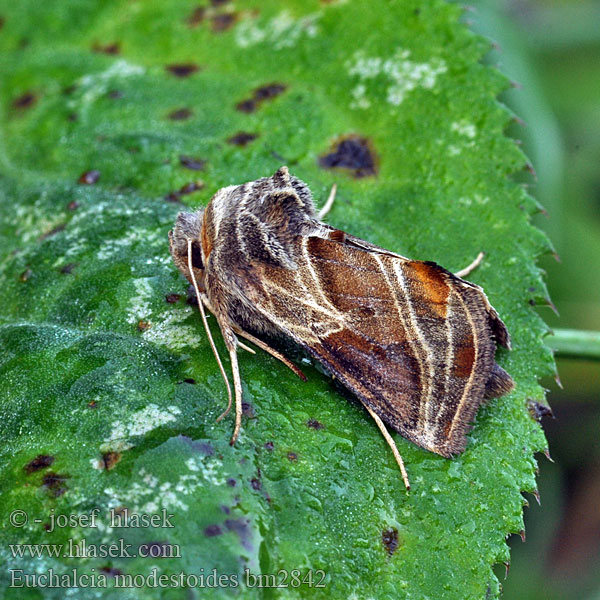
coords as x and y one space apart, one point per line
139 305
191 464
152 494
165 328
141 422
464 128
91 87
360 100
168 331
208 467
148 479
112 248
32 220
151 417
403 75
283 31
96 464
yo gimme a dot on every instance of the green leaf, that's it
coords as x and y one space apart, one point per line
109 389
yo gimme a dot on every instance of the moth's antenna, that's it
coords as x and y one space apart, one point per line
329 202
210 337
464 272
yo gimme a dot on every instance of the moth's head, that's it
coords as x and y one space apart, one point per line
188 228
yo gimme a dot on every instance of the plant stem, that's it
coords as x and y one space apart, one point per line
576 344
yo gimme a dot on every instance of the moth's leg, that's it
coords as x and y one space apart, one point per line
237 386
392 444
464 272
329 202
286 361
246 348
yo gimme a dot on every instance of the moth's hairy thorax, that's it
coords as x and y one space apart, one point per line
246 229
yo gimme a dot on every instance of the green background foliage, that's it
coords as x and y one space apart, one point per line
100 370
552 47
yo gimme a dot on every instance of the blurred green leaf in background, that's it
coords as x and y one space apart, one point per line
118 114
552 49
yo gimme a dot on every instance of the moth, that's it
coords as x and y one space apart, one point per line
414 342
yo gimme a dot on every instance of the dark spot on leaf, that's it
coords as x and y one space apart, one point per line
159 549
173 197
292 456
55 483
182 70
417 12
189 162
52 232
271 90
25 275
269 445
69 89
41 461
181 114
89 177
241 529
92 404
188 188
115 94
111 571
255 483
1 22
265 92
231 482
242 138
223 22
314 424
196 17
112 48
212 530
110 460
73 205
143 325
72 116
353 153
188 380
172 298
24 101
219 2
247 106
389 537
248 410
68 268
225 509
538 411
